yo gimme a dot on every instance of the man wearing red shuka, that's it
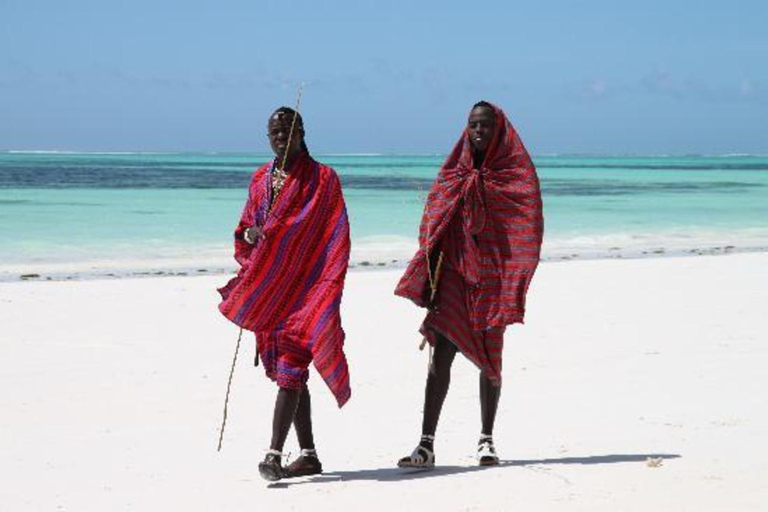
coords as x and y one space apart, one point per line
479 246
292 244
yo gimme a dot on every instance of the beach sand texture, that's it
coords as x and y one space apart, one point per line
113 392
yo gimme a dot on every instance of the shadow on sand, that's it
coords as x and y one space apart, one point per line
393 474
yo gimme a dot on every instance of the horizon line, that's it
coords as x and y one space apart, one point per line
378 154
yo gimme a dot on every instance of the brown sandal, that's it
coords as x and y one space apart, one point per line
307 464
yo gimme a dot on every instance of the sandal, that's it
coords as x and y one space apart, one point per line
486 452
423 457
307 464
271 469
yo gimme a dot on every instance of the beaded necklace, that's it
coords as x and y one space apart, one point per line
278 178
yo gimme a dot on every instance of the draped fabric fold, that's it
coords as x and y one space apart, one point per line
499 209
289 287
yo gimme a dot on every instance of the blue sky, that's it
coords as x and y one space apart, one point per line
586 77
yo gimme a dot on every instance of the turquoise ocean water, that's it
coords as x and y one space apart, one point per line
96 214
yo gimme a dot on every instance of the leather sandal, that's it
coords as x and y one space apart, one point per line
422 456
271 469
307 464
486 451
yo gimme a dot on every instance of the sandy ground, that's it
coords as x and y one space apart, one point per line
112 395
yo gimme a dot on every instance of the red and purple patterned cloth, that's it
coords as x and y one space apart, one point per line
289 287
489 224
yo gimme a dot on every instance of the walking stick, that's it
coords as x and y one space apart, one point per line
240 336
433 282
229 385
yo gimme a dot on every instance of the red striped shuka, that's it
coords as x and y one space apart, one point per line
289 286
488 224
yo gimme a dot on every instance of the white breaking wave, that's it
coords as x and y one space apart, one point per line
382 250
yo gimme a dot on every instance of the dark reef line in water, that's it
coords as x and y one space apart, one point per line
153 178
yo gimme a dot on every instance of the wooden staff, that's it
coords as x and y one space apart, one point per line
239 336
433 281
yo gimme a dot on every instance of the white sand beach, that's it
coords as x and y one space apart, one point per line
113 392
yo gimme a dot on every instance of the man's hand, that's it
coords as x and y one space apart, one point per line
253 234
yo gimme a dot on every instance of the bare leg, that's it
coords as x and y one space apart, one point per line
302 421
489 403
307 463
438 382
285 410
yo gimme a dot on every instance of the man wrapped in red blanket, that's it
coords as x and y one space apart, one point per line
292 244
480 240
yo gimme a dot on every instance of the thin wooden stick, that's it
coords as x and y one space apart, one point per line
240 336
433 279
229 386
433 288
293 123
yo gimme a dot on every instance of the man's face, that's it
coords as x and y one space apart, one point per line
278 130
481 123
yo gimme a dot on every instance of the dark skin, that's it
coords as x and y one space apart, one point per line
279 132
292 406
480 127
